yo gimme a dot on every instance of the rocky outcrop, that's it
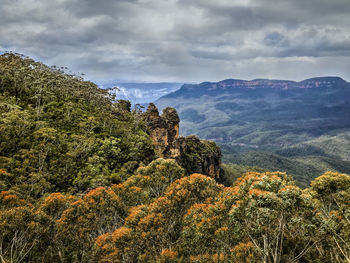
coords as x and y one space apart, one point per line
164 131
199 156
193 154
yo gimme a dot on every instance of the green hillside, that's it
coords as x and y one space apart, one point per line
60 133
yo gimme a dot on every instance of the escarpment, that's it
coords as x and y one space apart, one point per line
193 154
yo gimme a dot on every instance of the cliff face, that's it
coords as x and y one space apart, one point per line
193 154
199 156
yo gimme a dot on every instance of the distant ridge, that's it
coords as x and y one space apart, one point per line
317 82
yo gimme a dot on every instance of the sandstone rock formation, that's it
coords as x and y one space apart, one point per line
164 131
193 154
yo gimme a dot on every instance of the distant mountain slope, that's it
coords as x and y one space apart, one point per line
336 145
263 114
288 118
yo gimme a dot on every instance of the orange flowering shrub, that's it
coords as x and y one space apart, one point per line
268 213
99 211
158 225
331 194
8 200
168 256
244 252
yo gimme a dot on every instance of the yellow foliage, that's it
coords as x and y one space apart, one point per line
120 233
169 253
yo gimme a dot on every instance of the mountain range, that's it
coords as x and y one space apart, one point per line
275 124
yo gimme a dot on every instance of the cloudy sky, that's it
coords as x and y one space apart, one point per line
182 40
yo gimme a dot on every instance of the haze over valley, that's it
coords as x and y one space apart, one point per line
141 93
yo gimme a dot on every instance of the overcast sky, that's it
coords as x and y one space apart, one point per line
182 40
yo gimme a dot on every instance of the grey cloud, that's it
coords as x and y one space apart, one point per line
276 39
181 40
210 55
87 8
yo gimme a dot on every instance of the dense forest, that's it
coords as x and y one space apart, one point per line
81 181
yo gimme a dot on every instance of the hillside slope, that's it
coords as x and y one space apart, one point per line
61 133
